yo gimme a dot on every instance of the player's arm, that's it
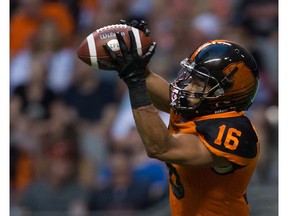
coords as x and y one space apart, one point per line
184 149
158 90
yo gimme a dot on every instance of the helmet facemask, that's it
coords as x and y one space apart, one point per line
192 87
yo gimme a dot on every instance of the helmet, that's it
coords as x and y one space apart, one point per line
229 76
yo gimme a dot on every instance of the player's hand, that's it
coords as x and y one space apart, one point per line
130 66
141 25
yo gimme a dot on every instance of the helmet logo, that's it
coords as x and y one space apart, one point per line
227 80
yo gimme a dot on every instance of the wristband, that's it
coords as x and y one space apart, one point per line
139 96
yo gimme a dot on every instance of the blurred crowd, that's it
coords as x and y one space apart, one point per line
74 148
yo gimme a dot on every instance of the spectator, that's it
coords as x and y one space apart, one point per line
48 45
35 97
58 192
86 95
121 193
29 15
142 168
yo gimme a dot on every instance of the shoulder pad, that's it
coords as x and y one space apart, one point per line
229 137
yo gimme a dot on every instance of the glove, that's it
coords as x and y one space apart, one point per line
141 25
130 66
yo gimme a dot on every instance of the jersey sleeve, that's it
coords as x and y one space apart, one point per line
233 138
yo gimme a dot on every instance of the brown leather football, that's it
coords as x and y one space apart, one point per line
91 49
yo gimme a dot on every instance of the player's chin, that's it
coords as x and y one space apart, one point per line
194 102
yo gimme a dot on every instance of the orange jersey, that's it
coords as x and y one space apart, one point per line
214 191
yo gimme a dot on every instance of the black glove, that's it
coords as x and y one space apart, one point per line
141 25
130 66
138 61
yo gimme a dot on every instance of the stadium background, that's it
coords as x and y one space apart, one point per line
71 131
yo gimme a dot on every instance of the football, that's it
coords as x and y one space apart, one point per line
91 49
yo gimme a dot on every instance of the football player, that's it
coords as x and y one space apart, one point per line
211 147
